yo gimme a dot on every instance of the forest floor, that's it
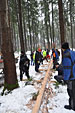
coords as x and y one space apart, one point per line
22 99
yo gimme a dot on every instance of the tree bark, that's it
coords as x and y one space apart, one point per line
20 26
25 36
61 21
46 24
49 26
71 24
52 24
7 48
29 27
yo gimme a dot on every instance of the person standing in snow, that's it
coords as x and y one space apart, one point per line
32 62
68 62
37 59
55 57
47 54
24 65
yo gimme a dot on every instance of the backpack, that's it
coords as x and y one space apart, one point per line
72 53
58 52
57 56
71 56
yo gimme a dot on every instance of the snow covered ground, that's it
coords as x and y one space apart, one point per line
17 100
56 104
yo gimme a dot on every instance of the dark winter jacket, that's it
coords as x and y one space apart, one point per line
47 52
54 54
60 69
40 57
37 57
24 63
32 55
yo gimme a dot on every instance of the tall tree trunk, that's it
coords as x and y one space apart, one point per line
14 38
46 24
7 48
44 40
71 24
36 40
18 34
20 26
49 26
52 24
29 29
29 25
74 34
25 36
0 39
33 27
61 21
47 33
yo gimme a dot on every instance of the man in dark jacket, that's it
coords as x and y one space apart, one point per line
37 60
32 53
55 57
24 65
59 77
47 54
68 75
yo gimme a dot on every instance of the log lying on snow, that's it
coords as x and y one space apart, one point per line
44 65
42 69
41 92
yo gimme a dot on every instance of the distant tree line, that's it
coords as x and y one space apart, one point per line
34 22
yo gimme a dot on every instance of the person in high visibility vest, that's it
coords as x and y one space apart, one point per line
44 53
34 58
44 56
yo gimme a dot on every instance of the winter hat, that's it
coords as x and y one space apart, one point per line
65 45
53 50
22 52
39 49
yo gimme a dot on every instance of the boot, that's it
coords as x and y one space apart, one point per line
67 107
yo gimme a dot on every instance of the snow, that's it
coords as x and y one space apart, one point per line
16 100
58 102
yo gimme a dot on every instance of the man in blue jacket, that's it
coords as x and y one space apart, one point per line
68 75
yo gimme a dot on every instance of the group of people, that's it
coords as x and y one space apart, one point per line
36 58
66 70
66 73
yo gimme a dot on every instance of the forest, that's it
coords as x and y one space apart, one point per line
25 24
